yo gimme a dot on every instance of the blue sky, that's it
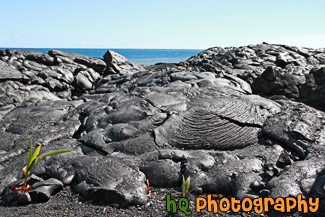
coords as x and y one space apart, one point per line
160 24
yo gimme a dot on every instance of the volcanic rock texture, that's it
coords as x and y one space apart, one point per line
246 122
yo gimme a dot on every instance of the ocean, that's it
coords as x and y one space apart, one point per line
138 56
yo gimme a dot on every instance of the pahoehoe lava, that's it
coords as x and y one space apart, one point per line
215 123
241 121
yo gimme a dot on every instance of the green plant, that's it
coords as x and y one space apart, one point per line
33 159
186 187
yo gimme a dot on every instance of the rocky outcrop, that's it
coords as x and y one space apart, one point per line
275 85
206 118
57 75
248 62
274 71
300 129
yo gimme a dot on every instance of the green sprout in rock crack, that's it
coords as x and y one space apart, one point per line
186 187
33 159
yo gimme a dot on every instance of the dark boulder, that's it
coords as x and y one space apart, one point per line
110 180
162 173
274 84
42 191
115 63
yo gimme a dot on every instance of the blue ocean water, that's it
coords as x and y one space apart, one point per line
138 56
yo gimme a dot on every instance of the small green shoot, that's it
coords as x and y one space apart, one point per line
33 159
186 187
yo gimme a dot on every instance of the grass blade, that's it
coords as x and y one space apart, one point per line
36 152
187 184
183 190
30 152
29 169
55 152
